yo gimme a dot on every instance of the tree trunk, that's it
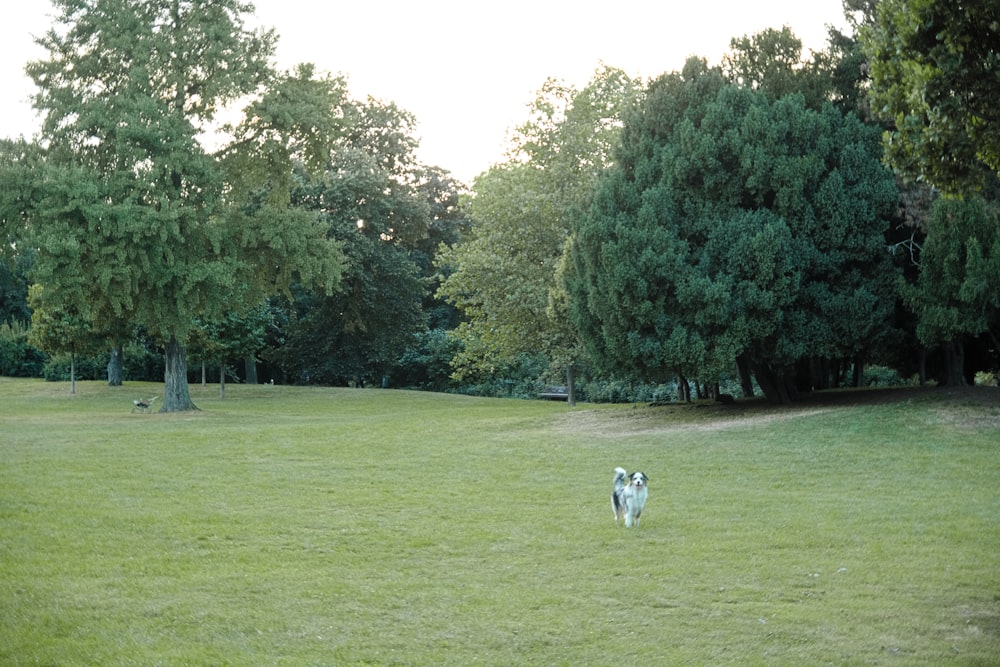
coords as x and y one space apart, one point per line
773 383
176 394
954 363
222 381
570 386
858 379
115 367
746 382
72 373
251 369
683 389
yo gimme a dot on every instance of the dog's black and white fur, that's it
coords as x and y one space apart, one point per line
628 499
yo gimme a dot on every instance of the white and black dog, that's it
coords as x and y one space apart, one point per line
627 500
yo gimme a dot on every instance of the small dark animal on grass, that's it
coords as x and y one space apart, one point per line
629 496
142 405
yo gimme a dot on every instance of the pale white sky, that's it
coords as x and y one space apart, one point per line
467 70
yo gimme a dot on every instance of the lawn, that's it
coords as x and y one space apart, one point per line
317 526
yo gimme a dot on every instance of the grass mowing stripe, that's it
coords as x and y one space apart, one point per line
326 526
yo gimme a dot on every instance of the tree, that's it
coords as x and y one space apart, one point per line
771 61
19 162
734 227
934 78
957 295
376 200
503 276
60 331
138 219
238 336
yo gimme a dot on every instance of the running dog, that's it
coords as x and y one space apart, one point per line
628 499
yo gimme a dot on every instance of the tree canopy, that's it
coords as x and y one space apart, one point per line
733 226
138 221
935 69
957 295
503 276
383 206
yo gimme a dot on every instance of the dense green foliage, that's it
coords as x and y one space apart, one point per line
957 295
18 357
734 226
935 69
389 213
137 222
503 275
637 235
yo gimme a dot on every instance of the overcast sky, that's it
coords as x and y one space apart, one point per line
465 69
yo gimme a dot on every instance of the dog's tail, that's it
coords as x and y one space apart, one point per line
620 474
616 499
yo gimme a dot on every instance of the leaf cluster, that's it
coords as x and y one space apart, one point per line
934 68
136 219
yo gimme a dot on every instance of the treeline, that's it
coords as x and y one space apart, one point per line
777 223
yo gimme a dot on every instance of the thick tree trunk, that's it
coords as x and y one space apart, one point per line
954 363
115 367
683 389
176 394
776 385
570 386
250 364
858 379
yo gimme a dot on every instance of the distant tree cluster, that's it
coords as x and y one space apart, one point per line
773 223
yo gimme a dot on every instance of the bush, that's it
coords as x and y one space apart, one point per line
881 376
87 368
622 391
987 379
515 380
17 357
427 365
141 363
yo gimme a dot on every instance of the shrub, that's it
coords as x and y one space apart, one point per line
881 376
18 358
87 368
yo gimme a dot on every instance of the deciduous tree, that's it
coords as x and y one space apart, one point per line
503 276
934 68
375 198
138 219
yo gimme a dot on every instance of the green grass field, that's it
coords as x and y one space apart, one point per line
317 526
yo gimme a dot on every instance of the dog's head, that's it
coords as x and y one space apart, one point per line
638 479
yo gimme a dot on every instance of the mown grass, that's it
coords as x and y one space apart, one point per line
299 526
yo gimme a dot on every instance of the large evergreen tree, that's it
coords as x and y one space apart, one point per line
139 222
957 296
734 227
